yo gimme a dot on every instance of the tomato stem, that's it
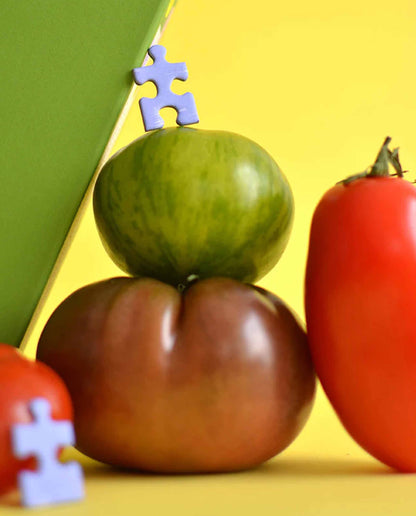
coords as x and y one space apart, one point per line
190 280
380 168
394 160
381 165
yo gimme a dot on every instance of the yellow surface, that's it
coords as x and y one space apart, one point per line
319 85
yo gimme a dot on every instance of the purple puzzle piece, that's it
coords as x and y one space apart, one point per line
162 73
53 482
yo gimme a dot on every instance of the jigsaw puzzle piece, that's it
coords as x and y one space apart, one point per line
53 482
162 74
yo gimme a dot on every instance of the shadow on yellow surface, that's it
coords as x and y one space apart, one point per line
307 466
280 466
107 483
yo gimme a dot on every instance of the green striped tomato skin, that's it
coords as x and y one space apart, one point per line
179 202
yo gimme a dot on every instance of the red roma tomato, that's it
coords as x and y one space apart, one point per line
20 381
360 293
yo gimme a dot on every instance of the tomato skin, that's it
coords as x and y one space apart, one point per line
360 309
182 202
21 380
216 378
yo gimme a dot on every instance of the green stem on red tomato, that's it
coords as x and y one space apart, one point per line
394 160
381 165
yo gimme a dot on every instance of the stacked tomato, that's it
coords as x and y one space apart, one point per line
185 365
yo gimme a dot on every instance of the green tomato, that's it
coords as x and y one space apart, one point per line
179 203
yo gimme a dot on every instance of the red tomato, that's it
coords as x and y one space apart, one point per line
21 380
360 302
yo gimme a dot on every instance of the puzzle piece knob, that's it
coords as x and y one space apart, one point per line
157 52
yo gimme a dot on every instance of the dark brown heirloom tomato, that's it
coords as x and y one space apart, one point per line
217 378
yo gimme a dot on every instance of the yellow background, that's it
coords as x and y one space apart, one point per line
319 85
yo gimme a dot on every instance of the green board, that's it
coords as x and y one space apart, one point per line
65 76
